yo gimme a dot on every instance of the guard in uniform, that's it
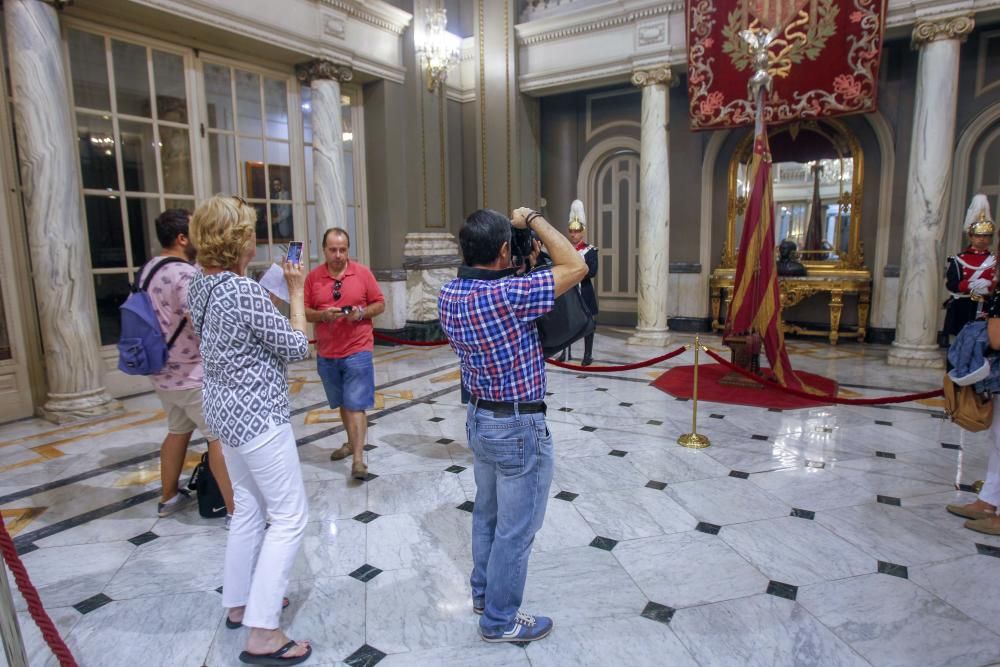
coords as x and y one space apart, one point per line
971 274
577 236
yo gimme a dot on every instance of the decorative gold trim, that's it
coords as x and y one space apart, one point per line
482 96
423 155
847 145
506 63
956 27
319 68
661 75
442 158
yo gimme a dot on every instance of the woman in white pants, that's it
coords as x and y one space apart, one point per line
246 344
982 513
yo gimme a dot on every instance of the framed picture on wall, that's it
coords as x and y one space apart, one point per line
274 182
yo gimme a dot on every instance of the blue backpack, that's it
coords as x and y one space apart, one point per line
141 347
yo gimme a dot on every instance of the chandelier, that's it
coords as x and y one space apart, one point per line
437 48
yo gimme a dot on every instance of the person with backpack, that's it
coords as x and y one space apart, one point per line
178 382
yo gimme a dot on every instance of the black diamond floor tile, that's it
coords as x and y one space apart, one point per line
549 393
617 452
660 613
148 536
605 543
882 422
92 603
950 445
714 416
803 514
625 404
682 399
938 415
367 517
885 455
601 389
368 478
568 496
454 469
589 429
710 528
893 569
987 550
655 422
444 441
365 573
889 500
775 410
653 484
368 448
565 409
23 549
782 590
366 656
759 437
739 474
967 488
466 506
219 590
436 419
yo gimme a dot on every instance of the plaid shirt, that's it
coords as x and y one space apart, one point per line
491 326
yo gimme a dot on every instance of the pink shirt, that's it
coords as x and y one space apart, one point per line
168 292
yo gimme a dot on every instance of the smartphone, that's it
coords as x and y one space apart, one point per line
294 252
347 309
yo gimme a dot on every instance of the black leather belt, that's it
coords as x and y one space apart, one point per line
508 406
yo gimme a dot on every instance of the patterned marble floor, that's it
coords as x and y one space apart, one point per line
803 537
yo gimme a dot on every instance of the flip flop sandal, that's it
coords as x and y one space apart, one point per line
275 658
235 625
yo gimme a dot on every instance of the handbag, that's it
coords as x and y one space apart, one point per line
567 322
211 504
966 407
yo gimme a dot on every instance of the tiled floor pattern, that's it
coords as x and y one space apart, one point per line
806 537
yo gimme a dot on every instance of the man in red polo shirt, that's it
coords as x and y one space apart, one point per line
342 298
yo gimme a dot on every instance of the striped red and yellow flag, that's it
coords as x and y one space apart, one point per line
756 304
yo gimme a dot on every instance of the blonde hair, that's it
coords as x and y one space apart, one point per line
222 229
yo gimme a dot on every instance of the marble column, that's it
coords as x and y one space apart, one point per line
325 77
57 236
928 183
654 207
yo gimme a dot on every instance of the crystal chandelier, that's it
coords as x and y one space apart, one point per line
437 49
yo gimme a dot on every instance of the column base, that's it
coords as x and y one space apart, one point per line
916 356
651 337
67 408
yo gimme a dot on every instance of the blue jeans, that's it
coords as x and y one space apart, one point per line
513 470
348 381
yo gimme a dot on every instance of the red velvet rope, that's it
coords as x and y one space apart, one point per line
30 595
822 398
624 367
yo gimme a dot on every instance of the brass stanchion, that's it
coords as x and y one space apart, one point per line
694 440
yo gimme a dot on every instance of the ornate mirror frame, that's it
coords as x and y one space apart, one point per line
847 146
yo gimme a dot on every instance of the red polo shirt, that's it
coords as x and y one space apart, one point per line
343 337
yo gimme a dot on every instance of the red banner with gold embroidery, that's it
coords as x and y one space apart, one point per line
824 59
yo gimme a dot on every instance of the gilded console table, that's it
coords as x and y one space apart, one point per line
795 289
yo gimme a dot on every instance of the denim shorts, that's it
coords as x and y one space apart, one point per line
349 382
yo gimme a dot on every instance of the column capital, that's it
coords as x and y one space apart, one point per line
651 76
955 27
323 69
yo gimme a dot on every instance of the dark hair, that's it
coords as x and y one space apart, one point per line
337 230
172 223
482 236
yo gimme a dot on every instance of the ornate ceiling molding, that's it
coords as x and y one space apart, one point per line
383 16
956 27
323 69
529 37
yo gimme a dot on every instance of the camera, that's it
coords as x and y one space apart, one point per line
520 246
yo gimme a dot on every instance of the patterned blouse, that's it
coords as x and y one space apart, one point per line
246 345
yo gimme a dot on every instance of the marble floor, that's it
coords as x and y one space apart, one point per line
803 537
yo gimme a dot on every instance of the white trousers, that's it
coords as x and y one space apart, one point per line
990 493
267 486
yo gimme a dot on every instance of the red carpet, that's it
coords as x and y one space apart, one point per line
679 382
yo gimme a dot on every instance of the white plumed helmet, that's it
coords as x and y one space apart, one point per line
978 219
577 216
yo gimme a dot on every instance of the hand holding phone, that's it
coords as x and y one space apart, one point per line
294 252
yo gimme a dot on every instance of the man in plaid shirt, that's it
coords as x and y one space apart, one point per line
488 314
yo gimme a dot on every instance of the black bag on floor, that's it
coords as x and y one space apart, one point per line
211 504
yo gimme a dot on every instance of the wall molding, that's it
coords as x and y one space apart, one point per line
595 19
